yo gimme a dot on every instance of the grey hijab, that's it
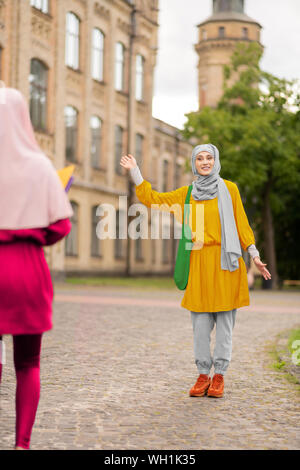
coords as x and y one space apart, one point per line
211 186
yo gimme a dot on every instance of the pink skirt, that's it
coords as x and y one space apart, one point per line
26 291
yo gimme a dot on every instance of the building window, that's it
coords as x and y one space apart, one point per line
71 243
38 79
221 32
204 34
245 33
139 142
120 225
118 148
97 54
72 41
71 125
139 77
119 66
165 175
95 242
42 5
96 131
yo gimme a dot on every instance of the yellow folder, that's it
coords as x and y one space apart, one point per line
66 176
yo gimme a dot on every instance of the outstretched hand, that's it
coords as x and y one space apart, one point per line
261 266
128 162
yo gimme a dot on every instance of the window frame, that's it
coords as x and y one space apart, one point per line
120 67
71 248
95 158
139 77
118 148
98 51
72 139
38 84
72 57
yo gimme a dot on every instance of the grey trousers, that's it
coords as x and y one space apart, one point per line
203 324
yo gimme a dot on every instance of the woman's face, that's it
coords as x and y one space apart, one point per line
204 163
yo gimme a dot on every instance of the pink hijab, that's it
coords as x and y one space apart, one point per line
31 193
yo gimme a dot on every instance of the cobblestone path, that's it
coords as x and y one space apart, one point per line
117 367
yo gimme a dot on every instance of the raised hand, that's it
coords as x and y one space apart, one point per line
261 266
128 162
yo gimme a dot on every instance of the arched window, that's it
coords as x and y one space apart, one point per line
95 242
245 33
96 131
42 5
71 243
71 126
72 41
119 66
139 77
97 54
38 80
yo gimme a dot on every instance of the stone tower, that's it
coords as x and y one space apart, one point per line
218 36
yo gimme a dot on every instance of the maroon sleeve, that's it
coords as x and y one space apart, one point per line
57 231
42 236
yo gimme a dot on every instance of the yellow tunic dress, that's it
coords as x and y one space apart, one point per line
209 288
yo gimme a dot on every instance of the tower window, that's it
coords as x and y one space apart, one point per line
221 32
245 33
204 34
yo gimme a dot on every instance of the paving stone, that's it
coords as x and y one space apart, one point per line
118 377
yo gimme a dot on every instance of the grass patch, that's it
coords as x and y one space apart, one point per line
279 365
278 355
136 282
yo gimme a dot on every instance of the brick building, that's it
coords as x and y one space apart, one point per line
86 68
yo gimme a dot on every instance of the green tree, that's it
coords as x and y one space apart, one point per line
256 128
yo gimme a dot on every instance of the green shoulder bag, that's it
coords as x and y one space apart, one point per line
182 265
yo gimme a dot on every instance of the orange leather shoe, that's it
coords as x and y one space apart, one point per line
201 386
216 388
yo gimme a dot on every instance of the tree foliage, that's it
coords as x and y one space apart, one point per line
256 127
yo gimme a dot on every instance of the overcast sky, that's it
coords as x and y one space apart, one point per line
175 83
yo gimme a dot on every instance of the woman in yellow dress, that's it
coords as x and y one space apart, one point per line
217 283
